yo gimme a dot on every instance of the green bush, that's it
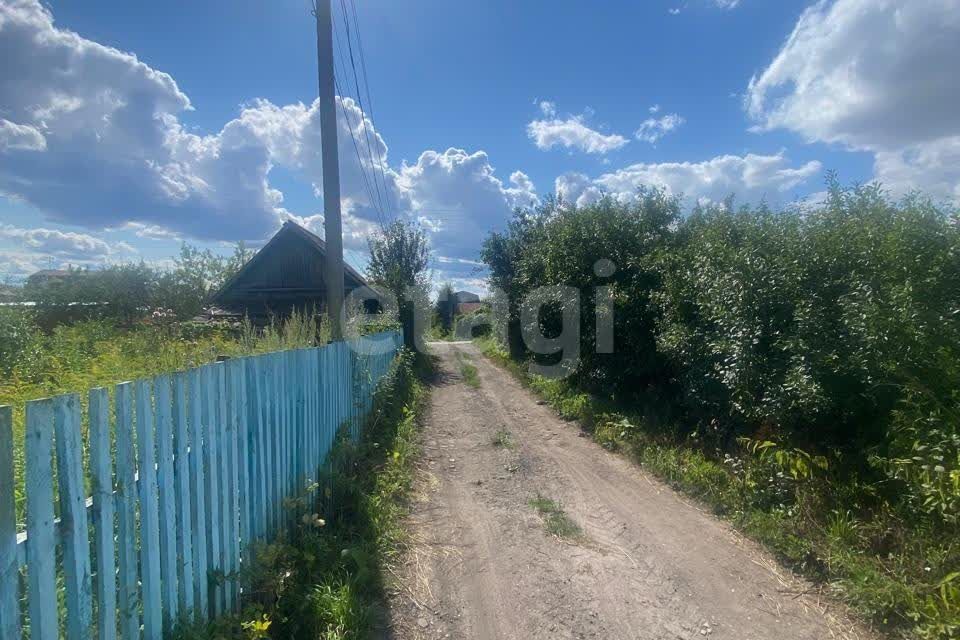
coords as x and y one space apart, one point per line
19 338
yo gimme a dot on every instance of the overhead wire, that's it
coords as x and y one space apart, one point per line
381 161
375 201
362 117
375 195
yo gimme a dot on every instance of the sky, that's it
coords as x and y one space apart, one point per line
127 128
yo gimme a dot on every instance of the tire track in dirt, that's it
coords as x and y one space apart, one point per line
649 564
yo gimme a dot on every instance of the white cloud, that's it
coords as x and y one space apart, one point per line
652 129
875 75
114 150
577 188
92 136
460 198
20 137
934 167
749 178
572 133
147 231
63 245
548 108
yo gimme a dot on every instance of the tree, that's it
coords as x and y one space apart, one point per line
197 273
446 305
399 259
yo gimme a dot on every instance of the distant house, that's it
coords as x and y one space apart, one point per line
288 273
466 302
49 276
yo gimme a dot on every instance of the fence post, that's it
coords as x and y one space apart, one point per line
150 576
168 514
198 498
9 574
184 533
245 483
74 533
127 514
211 476
101 471
41 551
236 408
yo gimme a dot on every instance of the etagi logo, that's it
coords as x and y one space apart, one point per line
558 302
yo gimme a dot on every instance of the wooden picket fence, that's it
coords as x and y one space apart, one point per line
198 468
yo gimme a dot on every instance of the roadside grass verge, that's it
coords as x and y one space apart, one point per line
468 371
900 576
327 578
555 519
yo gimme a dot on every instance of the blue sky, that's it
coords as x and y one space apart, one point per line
125 127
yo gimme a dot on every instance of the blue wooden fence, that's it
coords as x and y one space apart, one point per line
198 468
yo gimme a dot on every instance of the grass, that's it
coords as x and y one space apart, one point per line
328 582
503 439
468 371
898 575
555 519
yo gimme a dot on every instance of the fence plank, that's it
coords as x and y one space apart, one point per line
211 476
41 551
101 471
198 498
9 570
263 470
283 394
150 576
232 398
184 528
272 446
127 514
245 483
168 513
74 533
223 419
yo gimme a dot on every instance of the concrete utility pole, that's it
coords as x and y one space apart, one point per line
332 226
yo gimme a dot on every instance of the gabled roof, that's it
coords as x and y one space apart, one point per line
466 296
321 246
352 278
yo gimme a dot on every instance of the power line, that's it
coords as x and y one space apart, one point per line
346 77
363 115
375 201
366 84
363 172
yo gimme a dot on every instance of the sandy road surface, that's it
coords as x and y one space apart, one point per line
648 565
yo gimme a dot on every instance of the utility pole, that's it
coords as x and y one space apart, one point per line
332 226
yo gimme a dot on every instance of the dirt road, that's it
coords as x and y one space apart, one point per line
644 564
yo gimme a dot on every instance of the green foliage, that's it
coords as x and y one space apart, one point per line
20 338
128 292
813 326
399 258
555 519
503 439
557 243
445 307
